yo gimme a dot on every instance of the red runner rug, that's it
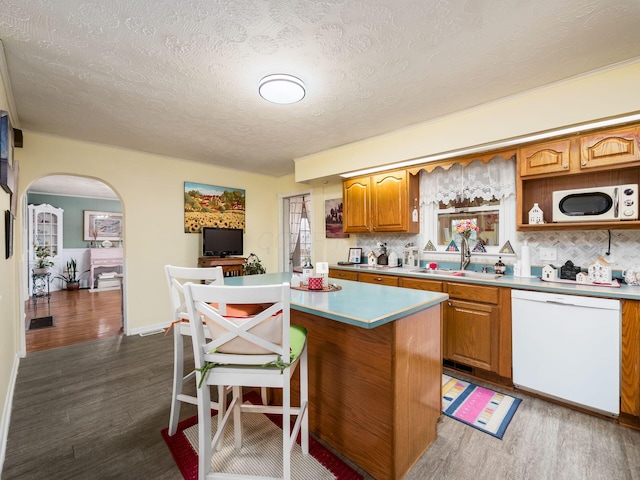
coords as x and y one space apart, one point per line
186 457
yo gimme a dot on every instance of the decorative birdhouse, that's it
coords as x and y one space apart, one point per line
536 215
582 277
569 271
549 272
600 271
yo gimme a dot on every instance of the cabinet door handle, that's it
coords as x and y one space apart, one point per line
378 279
565 166
584 163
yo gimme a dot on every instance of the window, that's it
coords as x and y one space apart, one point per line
481 192
483 213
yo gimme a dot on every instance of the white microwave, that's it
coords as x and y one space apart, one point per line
596 204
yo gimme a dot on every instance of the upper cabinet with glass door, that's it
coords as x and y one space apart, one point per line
45 229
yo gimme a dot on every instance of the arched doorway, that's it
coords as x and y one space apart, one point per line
90 227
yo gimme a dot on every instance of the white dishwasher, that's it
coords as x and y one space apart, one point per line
568 347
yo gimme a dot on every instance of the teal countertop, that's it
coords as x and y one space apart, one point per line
631 292
360 304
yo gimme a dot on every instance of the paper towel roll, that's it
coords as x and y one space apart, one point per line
525 261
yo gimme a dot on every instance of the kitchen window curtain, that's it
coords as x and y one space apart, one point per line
497 178
295 214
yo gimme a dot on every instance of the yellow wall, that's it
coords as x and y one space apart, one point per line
151 190
9 338
602 94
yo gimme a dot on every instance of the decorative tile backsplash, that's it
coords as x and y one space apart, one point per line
581 247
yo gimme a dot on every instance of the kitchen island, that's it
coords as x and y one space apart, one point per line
375 369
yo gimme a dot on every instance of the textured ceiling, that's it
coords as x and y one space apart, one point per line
179 77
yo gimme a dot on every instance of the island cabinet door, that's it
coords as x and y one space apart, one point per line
470 334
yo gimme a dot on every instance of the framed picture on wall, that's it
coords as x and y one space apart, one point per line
99 226
213 206
355 255
333 219
8 233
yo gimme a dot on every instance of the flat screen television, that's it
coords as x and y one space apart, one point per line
221 242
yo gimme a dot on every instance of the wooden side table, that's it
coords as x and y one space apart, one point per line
231 266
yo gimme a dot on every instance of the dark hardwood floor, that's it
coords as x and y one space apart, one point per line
80 316
95 411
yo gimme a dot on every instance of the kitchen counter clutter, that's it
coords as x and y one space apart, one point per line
631 292
375 369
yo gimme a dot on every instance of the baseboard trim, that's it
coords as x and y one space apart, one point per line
6 412
150 329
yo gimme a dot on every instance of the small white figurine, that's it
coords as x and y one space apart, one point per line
536 215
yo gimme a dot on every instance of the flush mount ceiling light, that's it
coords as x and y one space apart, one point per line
282 88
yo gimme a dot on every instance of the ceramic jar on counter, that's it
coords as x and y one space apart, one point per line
632 275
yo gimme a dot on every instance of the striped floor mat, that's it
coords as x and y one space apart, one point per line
479 407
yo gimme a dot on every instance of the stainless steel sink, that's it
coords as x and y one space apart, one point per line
458 273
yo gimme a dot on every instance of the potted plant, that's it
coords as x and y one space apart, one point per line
253 266
43 262
71 276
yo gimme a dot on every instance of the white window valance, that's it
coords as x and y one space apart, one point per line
496 178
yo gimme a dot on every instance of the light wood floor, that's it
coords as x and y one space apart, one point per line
95 410
80 316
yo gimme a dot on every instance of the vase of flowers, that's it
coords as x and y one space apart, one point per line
465 229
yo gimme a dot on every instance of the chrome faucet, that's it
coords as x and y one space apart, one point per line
465 256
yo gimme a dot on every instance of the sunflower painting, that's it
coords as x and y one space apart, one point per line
212 206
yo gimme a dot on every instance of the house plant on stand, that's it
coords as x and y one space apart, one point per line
71 276
43 262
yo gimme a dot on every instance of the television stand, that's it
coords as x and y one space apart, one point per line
231 266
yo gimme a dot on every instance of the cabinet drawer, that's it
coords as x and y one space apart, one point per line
343 274
379 279
420 284
473 292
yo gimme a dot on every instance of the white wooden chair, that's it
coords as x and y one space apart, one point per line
176 277
260 350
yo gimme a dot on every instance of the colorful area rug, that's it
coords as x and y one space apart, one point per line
479 407
261 453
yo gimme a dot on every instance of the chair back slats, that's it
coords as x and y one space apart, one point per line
248 340
178 276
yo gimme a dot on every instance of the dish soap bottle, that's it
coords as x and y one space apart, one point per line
500 267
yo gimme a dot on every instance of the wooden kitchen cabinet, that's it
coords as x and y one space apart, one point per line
343 274
382 203
603 158
421 284
544 158
356 205
477 327
612 148
389 280
471 321
630 368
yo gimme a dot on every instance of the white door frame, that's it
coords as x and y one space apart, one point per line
23 269
283 228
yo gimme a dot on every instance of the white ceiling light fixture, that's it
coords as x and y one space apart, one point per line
282 88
